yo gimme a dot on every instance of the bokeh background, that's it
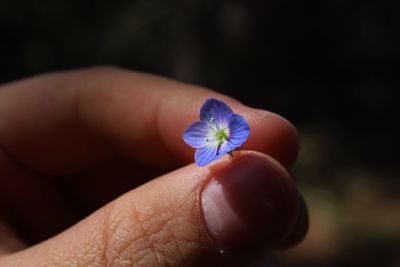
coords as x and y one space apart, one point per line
331 67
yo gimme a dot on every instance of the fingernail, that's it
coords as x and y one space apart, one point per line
249 204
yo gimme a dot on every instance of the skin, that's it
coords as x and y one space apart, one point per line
71 143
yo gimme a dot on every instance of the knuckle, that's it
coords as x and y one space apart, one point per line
149 236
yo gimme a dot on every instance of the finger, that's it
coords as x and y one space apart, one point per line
184 218
61 122
300 228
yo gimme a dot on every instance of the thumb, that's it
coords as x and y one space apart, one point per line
184 218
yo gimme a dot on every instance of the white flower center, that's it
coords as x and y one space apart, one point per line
221 135
218 134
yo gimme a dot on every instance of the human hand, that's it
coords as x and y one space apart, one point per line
72 141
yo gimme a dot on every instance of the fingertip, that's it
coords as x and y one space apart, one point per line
251 203
272 134
300 228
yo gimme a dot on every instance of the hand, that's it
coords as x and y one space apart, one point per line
70 142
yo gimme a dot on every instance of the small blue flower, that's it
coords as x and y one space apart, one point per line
218 132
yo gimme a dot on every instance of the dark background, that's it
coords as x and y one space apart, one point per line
331 67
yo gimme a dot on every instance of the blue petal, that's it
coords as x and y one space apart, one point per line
226 147
196 134
217 110
207 154
239 130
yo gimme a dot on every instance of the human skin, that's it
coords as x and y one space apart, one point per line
72 143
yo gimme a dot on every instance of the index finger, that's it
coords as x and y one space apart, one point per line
61 122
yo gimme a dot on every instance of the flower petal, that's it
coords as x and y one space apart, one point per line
239 130
196 134
226 147
207 154
217 110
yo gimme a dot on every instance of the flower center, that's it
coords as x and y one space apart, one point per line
222 135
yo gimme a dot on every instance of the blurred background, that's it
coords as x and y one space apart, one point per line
331 67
